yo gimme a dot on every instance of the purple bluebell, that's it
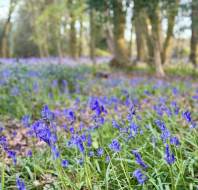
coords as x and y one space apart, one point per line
72 130
42 131
26 120
115 145
193 125
175 107
175 91
80 145
80 161
15 91
89 141
46 113
187 116
169 157
107 160
100 152
29 153
165 135
20 184
70 115
115 124
138 159
35 87
54 83
55 152
174 141
133 129
141 178
64 163
91 153
12 154
1 129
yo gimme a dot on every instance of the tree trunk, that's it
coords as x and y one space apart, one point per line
72 42
194 30
4 45
167 46
120 49
80 37
72 34
155 22
140 29
92 35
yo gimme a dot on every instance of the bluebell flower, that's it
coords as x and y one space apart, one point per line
160 124
175 91
29 153
89 141
138 159
12 154
133 128
46 113
54 83
107 160
141 178
187 116
80 161
175 107
42 131
26 120
100 152
35 87
20 184
97 107
91 153
115 145
1 129
115 124
169 157
174 141
15 91
55 152
193 125
80 145
64 163
165 134
72 130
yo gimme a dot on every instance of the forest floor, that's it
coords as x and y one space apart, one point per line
97 128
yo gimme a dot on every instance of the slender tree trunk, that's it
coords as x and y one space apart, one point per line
60 52
194 30
140 29
72 37
167 46
92 35
109 37
131 43
154 18
80 37
120 50
109 30
72 34
4 44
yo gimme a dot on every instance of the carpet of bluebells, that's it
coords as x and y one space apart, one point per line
67 128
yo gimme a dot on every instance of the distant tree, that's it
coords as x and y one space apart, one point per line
4 36
171 7
141 31
92 26
194 36
120 57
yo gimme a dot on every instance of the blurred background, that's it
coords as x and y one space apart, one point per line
123 32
